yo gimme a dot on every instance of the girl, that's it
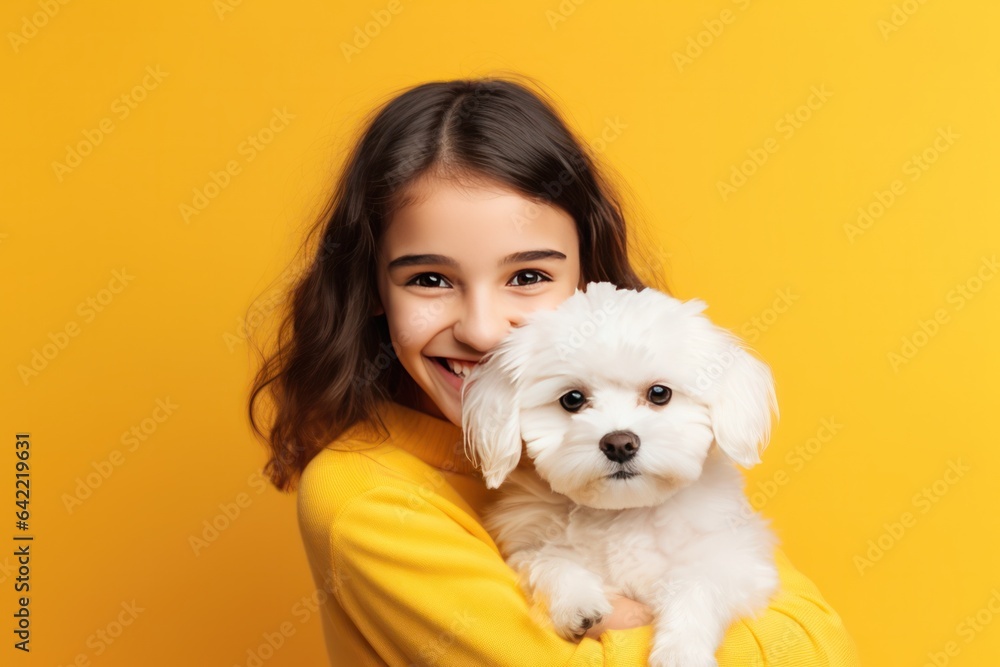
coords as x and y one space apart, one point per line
464 206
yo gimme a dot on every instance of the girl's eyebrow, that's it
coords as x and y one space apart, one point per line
513 258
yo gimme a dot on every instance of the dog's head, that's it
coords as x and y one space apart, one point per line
618 396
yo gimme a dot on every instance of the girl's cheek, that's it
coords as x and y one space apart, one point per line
421 325
428 315
418 320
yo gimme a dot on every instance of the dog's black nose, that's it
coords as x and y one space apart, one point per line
620 446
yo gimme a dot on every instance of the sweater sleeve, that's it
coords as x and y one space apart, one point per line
798 629
423 590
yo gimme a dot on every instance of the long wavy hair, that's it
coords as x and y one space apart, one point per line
333 361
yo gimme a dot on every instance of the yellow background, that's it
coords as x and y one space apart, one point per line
892 81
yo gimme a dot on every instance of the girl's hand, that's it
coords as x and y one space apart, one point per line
627 614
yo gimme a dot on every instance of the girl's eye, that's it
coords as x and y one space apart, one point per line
521 278
432 280
531 277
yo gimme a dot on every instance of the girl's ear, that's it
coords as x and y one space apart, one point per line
741 404
491 421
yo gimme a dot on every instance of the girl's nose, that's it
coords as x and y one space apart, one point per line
483 322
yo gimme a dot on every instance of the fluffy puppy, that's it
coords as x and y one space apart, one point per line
633 409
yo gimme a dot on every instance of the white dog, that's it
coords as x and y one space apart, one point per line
633 408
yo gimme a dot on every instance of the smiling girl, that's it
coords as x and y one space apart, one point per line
464 206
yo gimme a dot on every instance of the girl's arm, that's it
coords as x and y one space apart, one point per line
424 590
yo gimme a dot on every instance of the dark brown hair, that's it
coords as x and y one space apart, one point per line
333 360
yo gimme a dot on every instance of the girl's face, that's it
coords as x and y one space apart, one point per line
459 268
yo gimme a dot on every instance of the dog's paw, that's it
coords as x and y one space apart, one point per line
573 617
677 654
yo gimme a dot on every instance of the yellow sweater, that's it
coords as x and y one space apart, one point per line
408 576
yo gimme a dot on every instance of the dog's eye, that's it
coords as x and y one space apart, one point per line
658 394
572 401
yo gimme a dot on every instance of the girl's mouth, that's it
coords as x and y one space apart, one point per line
453 379
444 364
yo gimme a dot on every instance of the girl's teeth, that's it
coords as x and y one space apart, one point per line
458 368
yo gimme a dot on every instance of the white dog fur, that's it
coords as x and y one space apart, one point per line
679 534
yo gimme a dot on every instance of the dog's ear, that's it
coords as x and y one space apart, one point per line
491 421
741 401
